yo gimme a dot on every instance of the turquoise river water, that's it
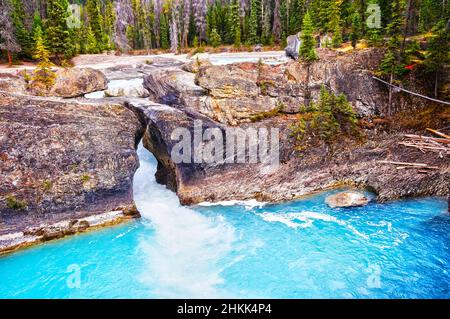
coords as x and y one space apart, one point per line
300 249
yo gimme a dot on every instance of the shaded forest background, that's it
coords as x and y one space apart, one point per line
414 32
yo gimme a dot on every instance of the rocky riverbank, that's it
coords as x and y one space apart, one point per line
67 165
64 161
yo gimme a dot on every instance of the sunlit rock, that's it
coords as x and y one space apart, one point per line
347 199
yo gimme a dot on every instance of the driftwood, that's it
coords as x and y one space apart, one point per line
404 165
439 133
428 138
439 145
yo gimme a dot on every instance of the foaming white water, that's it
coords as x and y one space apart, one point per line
306 219
248 204
185 250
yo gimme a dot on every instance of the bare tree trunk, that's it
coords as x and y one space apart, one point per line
405 30
436 79
9 58
390 94
308 91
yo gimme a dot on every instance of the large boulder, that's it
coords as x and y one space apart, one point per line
64 160
347 199
293 46
74 82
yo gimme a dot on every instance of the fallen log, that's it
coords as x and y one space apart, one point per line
438 133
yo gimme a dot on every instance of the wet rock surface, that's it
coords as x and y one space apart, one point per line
347 199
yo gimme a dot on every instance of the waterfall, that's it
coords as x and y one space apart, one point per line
185 251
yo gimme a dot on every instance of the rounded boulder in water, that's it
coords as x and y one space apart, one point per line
346 199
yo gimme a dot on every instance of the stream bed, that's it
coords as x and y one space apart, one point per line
299 249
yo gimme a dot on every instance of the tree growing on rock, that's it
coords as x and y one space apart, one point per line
8 38
43 74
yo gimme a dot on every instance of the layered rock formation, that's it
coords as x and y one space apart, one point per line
238 93
64 160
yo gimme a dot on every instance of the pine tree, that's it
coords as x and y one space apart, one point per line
430 12
296 12
8 39
57 31
391 64
108 25
253 22
373 33
335 22
95 22
356 29
92 46
43 74
235 23
307 47
23 36
266 31
37 28
214 38
164 32
438 52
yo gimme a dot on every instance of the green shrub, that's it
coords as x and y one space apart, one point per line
85 178
13 203
47 185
